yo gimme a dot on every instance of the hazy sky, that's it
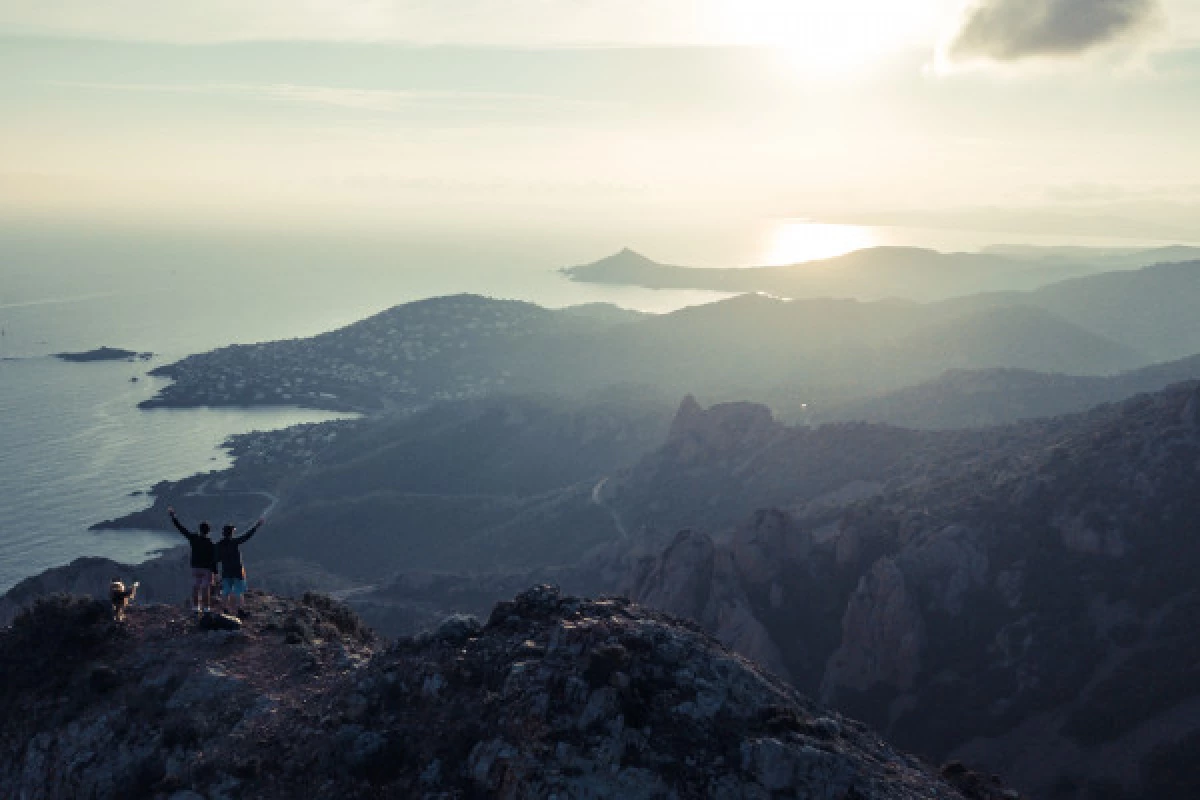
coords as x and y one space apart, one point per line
1072 116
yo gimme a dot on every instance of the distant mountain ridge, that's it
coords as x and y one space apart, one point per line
873 273
1151 309
747 347
979 398
1105 259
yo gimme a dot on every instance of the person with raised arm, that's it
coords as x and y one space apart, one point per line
203 561
233 572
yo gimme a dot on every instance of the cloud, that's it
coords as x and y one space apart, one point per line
1014 30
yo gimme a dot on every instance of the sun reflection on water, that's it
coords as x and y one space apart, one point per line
792 241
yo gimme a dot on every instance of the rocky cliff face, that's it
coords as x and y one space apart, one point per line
720 464
693 578
1033 608
554 697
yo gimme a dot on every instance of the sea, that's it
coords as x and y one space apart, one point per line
74 447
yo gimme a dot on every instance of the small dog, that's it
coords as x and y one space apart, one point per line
121 597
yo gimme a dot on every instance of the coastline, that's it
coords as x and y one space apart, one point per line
261 463
77 453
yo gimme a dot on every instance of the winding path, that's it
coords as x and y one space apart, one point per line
354 591
202 491
598 499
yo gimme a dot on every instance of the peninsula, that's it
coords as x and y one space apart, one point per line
909 273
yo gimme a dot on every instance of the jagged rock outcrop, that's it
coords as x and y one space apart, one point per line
882 634
721 464
1025 599
696 433
695 580
758 543
555 697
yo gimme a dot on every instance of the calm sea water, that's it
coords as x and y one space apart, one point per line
73 446
72 451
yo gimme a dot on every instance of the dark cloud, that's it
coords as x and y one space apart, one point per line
1011 30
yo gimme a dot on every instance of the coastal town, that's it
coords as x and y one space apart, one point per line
262 462
395 363
295 446
405 358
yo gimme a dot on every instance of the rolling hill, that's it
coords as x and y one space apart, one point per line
978 398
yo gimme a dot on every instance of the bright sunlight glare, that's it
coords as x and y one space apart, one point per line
797 240
831 38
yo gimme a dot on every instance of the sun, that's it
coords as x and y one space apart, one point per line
827 38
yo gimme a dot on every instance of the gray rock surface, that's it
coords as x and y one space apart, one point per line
555 697
1023 598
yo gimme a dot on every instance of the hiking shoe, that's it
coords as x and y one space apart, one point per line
242 613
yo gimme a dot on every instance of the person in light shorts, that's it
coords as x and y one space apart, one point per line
233 572
233 587
203 561
203 579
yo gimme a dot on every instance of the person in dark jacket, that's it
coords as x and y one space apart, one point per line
203 561
233 572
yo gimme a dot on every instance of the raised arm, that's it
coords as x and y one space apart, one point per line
245 537
179 525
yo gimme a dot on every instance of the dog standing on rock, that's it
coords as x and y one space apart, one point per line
121 597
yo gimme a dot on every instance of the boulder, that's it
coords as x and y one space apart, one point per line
216 621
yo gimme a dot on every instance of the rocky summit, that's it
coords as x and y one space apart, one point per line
555 696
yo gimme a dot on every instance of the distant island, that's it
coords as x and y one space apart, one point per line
104 354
